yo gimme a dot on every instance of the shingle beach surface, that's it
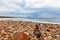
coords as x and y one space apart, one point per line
9 29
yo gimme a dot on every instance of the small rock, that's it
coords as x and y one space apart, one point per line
3 32
54 36
21 36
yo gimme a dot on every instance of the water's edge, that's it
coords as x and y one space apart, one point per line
29 20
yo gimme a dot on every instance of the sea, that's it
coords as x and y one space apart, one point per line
38 20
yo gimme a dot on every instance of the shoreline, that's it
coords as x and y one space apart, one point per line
28 20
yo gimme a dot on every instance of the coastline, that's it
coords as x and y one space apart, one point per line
29 20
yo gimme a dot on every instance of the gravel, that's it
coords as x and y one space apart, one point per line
9 29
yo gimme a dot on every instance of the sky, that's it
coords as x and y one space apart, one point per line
30 8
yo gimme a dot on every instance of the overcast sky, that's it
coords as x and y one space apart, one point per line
30 8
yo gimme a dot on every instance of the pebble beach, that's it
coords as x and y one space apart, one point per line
9 30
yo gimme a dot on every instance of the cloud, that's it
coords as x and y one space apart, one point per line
30 7
22 5
55 4
37 3
18 6
46 15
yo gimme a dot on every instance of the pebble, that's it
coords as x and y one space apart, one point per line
3 32
21 36
27 28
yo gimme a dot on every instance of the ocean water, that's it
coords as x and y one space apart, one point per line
39 20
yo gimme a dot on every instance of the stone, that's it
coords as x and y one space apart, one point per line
21 36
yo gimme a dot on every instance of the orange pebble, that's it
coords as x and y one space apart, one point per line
21 36
10 30
3 32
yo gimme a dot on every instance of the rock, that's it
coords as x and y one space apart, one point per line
21 36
